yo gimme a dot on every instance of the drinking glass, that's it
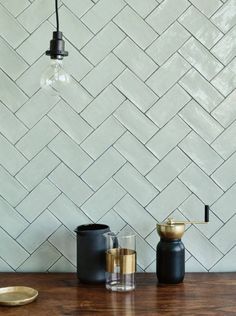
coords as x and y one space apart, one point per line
120 261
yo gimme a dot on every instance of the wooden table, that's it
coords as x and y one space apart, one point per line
61 294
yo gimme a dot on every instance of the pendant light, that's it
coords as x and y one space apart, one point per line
55 79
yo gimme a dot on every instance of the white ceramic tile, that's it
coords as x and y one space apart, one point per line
168 105
37 169
11 251
102 106
200 58
166 13
36 44
10 157
153 238
10 29
225 113
76 96
37 138
226 55
39 10
103 43
135 90
101 13
168 169
225 175
62 265
36 107
11 95
201 90
168 43
33 205
70 153
113 220
227 263
41 259
225 206
152 267
136 60
225 81
103 168
79 7
225 138
72 186
168 74
225 17
70 122
10 188
194 266
103 137
72 26
68 213
103 200
141 7
193 210
200 184
168 137
135 121
10 126
207 7
201 122
102 75
38 231
65 242
29 81
201 153
195 242
4 267
201 28
10 61
15 8
135 27
76 58
220 240
168 200
136 153
11 220
132 212
137 186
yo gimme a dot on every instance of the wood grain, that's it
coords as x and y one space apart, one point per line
61 294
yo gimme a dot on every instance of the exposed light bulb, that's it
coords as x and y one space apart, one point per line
55 79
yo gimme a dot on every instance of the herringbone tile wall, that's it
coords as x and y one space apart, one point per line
147 129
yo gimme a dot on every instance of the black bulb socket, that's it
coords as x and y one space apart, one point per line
57 46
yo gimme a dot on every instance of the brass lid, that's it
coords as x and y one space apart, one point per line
171 229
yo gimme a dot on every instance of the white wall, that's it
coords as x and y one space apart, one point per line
146 130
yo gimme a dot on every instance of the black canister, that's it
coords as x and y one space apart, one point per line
170 264
91 253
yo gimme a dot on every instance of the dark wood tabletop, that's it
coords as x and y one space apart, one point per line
61 294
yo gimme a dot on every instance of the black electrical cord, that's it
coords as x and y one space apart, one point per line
57 44
57 15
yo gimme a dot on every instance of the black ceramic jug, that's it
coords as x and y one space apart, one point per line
91 252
